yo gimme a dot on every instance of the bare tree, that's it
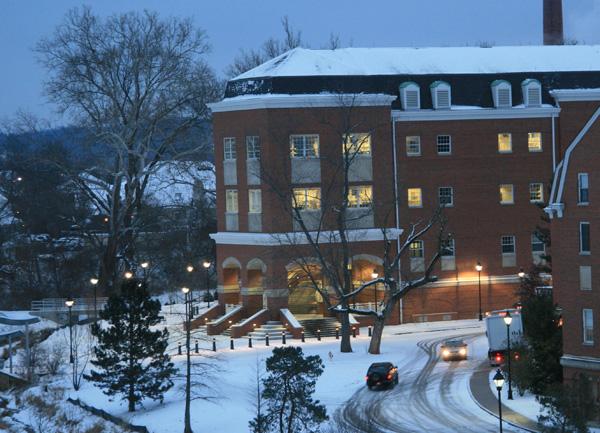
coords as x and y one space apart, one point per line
271 48
139 84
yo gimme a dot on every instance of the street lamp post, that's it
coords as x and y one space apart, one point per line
206 265
188 426
190 269
94 282
508 321
499 381
478 268
145 266
375 275
128 275
69 303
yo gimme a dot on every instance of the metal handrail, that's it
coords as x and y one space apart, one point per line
58 304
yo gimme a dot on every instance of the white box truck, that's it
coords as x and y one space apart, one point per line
496 332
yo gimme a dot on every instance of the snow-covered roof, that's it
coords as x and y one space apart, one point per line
423 61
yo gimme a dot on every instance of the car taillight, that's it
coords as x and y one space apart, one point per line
389 376
498 358
366 377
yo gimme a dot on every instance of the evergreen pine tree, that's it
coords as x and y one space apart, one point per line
130 357
288 390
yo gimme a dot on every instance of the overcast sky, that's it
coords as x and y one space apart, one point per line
235 24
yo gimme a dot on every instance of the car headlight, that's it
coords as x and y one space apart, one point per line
463 351
445 352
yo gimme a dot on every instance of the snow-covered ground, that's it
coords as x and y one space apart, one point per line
413 347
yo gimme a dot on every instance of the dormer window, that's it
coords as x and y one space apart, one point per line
410 96
532 93
441 95
502 94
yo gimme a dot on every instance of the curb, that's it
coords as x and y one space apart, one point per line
505 409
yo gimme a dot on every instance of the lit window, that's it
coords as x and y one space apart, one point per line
536 192
415 198
537 245
444 145
588 326
504 143
584 238
254 201
231 201
307 198
413 145
229 152
446 196
508 244
358 144
534 141
583 188
360 196
507 194
416 250
448 248
585 278
252 147
304 146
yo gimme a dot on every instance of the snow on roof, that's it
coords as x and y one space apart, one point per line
172 182
423 61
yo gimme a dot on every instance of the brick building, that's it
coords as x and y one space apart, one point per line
574 226
474 129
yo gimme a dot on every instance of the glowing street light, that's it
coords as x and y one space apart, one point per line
94 283
374 276
129 275
499 382
521 273
69 303
479 268
508 320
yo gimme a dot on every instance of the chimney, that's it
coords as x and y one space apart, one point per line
553 22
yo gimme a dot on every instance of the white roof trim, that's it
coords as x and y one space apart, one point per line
298 238
266 101
475 113
563 175
574 95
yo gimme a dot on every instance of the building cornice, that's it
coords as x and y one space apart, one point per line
299 238
575 95
583 362
475 113
319 100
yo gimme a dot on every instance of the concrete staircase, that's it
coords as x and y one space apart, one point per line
273 328
227 332
327 326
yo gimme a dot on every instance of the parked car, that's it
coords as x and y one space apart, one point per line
454 350
382 374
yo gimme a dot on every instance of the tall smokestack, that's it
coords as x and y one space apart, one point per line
553 22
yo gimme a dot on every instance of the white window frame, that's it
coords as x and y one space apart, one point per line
408 201
583 179
449 144
252 147
412 87
512 193
540 186
510 147
589 240
530 137
307 197
357 141
421 249
585 274
229 149
359 203
535 240
255 201
587 316
503 244
305 146
416 142
451 203
231 205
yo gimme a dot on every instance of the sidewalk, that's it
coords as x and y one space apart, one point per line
485 399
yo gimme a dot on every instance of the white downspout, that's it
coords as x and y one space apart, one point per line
397 210
553 145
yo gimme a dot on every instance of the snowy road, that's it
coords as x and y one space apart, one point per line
432 396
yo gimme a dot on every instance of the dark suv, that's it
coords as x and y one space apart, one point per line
382 374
